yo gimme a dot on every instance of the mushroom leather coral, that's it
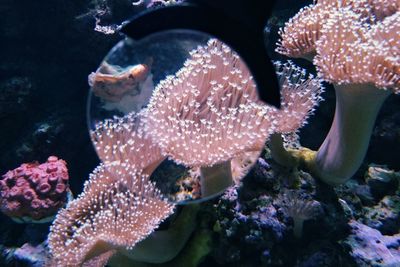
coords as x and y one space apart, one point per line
118 207
351 51
363 62
209 111
124 140
300 94
300 34
34 191
357 49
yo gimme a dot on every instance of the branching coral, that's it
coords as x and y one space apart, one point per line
118 208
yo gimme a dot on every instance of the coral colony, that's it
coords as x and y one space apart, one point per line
118 208
355 46
207 117
34 192
209 112
204 116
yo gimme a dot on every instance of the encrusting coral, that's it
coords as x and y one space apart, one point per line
34 192
357 49
118 207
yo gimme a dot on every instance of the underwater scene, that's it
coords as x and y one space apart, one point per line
252 134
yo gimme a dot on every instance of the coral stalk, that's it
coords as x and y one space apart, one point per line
163 245
365 72
355 114
358 51
119 207
278 151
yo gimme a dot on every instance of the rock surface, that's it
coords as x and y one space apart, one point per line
368 247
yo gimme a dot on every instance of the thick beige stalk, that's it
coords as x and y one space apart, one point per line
346 144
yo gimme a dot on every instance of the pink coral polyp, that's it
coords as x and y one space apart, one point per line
34 191
53 178
36 204
14 192
60 188
29 194
52 159
35 178
44 187
51 168
20 182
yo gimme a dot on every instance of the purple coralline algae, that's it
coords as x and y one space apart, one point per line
368 247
